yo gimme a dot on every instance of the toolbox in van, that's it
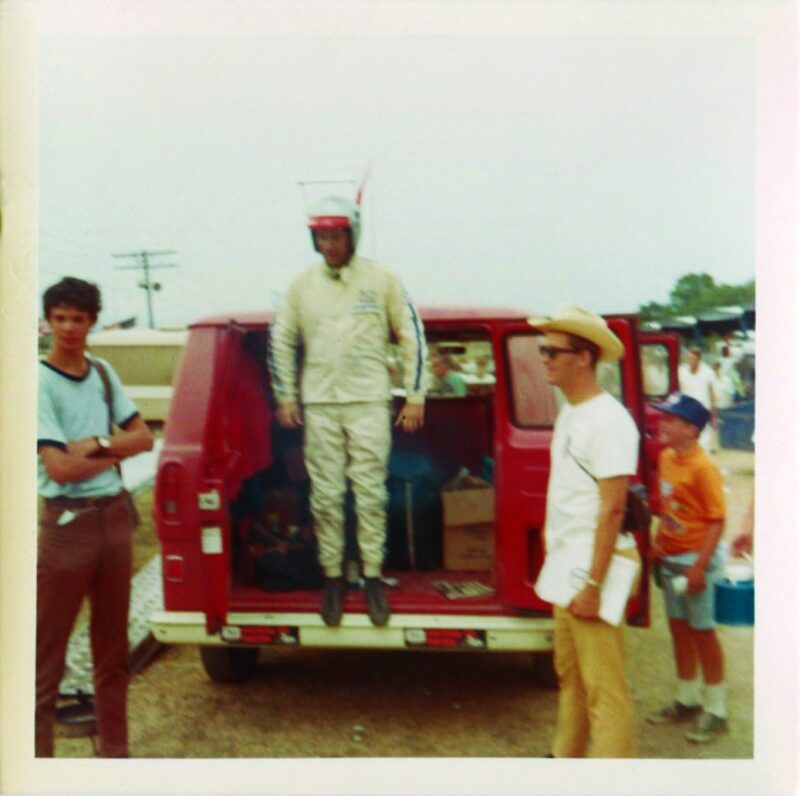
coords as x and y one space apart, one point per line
221 441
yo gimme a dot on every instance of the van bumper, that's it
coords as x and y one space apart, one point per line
404 631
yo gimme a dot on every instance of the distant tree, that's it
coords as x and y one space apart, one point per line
695 293
688 292
653 311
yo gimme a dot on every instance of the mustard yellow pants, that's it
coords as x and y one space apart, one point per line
595 710
348 441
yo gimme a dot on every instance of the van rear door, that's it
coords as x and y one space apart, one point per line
526 407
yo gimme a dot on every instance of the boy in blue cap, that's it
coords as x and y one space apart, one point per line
686 550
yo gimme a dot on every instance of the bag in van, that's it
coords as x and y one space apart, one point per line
284 562
414 522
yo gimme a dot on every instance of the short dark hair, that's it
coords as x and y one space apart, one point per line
73 292
582 344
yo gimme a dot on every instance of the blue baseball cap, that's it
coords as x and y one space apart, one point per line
686 408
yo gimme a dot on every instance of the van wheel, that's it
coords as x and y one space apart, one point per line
544 670
229 664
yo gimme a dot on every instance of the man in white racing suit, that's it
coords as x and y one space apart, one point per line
340 314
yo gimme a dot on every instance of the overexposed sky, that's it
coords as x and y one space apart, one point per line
517 170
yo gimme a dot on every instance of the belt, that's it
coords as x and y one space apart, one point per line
82 503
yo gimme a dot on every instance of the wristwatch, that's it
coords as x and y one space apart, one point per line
104 443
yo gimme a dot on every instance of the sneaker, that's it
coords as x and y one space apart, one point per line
377 605
674 713
332 599
708 727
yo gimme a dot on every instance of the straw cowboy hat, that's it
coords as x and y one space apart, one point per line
571 319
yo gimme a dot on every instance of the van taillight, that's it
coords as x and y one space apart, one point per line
170 491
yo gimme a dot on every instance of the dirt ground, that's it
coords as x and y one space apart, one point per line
319 703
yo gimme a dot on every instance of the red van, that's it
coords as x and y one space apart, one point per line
473 588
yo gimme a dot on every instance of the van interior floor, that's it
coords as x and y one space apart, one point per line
407 592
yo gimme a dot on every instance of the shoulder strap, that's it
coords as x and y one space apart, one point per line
575 459
109 394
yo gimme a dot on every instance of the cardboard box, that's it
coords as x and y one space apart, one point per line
469 547
473 506
468 515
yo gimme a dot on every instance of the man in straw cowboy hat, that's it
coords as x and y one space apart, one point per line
593 453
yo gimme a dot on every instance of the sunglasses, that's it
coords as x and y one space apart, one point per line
552 351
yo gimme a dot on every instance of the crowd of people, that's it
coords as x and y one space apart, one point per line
340 395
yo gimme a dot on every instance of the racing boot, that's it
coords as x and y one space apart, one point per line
377 604
332 600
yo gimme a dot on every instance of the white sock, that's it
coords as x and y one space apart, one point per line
714 701
689 692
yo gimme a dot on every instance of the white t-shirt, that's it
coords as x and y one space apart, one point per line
602 436
723 391
696 385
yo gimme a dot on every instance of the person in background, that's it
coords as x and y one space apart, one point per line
86 524
742 543
593 453
445 380
730 372
687 552
341 313
696 379
724 389
482 373
723 396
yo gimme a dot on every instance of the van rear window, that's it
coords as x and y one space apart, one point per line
534 402
655 370
456 367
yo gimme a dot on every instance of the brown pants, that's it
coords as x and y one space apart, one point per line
595 708
89 555
594 704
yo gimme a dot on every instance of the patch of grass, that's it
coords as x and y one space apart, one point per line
145 539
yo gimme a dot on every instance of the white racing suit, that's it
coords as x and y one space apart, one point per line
342 321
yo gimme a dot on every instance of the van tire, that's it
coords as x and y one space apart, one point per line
544 670
229 664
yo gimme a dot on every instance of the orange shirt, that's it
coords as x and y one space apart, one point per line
691 498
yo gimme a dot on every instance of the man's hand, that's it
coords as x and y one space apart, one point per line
290 415
411 417
696 577
84 448
742 544
586 603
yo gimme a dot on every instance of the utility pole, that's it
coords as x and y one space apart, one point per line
148 286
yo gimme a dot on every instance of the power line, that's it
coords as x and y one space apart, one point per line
148 286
